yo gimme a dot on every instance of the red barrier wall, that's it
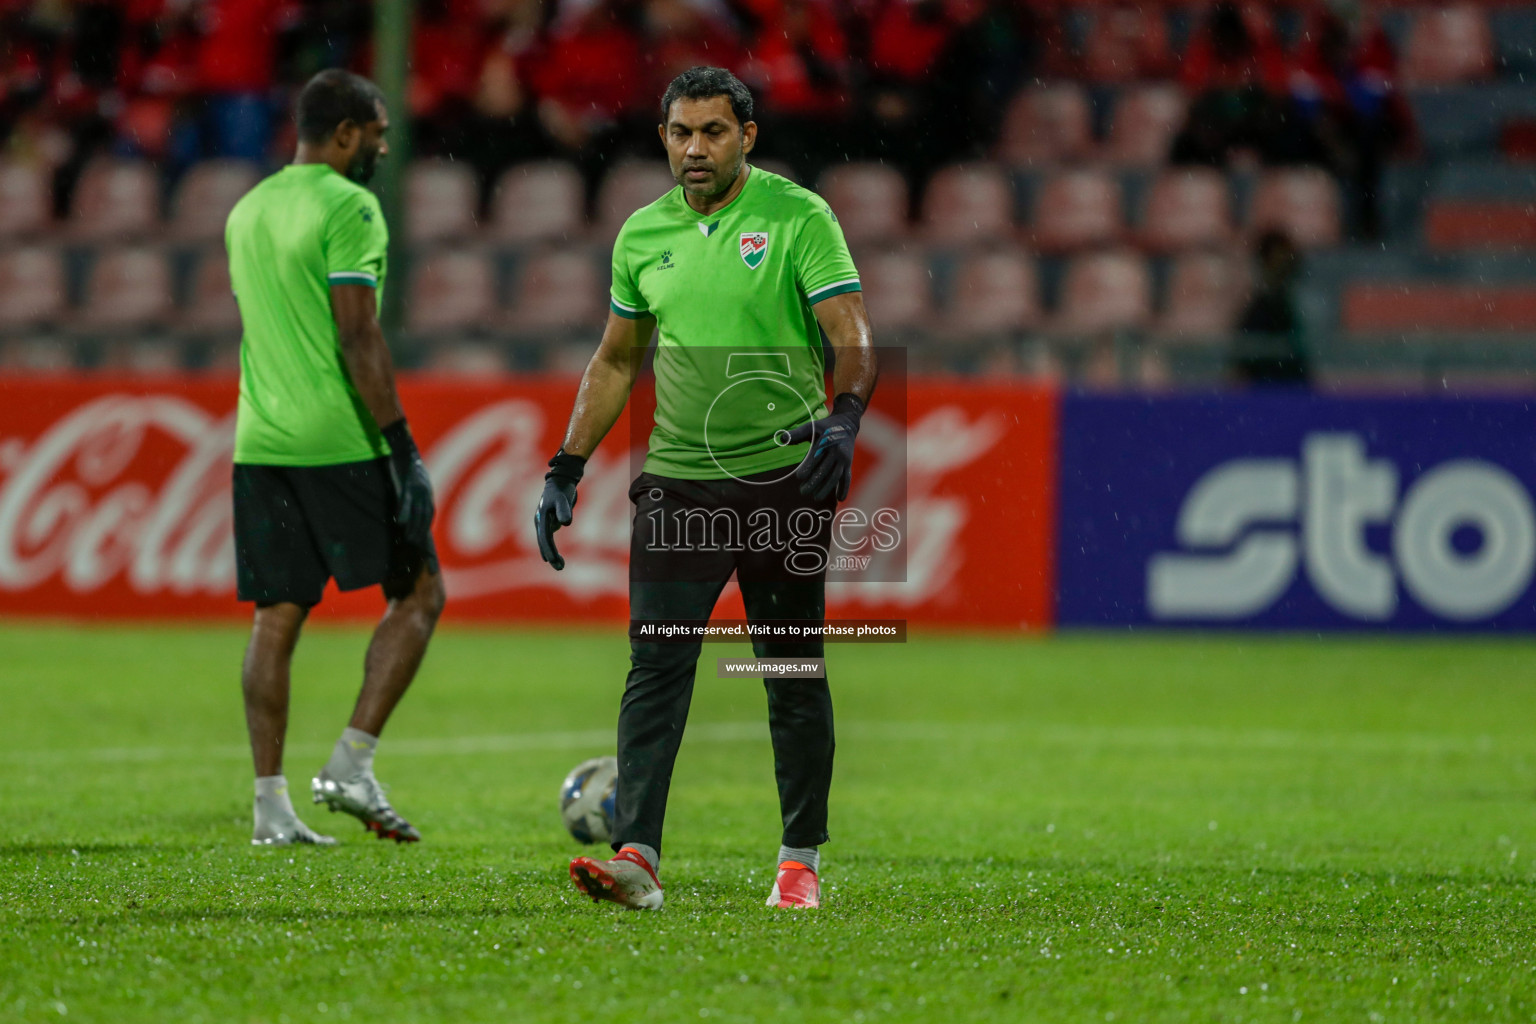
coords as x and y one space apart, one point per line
114 502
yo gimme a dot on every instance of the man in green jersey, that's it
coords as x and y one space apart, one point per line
738 271
327 481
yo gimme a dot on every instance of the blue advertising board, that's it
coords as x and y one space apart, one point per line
1296 511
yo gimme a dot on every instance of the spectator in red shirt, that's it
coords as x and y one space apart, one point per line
1342 83
591 77
798 66
236 65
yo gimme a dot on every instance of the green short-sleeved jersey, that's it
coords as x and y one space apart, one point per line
290 238
739 355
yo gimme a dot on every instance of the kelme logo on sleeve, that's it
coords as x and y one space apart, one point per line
754 246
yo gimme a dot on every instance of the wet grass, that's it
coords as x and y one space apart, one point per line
1086 828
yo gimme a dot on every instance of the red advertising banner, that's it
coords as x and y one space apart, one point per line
115 502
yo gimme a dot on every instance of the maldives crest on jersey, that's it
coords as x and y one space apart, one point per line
754 246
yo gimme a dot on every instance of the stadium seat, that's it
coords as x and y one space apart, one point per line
1206 294
465 359
451 292
205 197
38 355
1304 203
1448 44
148 357
115 200
870 201
628 187
1433 307
33 287
556 292
1075 210
127 290
1143 125
1186 209
995 293
968 204
898 289
1105 291
1045 125
540 201
441 198
24 200
1456 224
211 308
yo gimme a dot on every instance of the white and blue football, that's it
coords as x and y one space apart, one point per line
587 798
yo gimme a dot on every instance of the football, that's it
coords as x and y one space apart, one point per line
586 799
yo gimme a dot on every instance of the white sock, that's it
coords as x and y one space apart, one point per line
353 754
648 852
272 803
810 856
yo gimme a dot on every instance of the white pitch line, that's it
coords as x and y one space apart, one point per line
1022 736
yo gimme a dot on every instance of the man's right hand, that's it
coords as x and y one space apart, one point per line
557 503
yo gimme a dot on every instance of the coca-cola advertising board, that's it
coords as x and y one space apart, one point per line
115 502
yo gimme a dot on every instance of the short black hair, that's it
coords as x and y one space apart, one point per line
700 83
334 96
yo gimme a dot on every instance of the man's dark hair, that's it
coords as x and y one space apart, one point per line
332 97
701 83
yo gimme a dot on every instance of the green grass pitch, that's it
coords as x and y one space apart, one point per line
1079 828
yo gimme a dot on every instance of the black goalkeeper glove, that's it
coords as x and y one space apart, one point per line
557 503
414 507
829 466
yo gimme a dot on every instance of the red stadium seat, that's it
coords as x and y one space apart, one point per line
115 200
898 289
968 204
32 287
1460 224
38 355
995 293
128 290
541 201
1206 294
441 198
1143 125
147 357
25 204
451 292
1438 308
1448 44
628 187
205 197
1105 291
1304 203
1077 209
557 292
211 308
1045 125
465 359
1188 208
870 201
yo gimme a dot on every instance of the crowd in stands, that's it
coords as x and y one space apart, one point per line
1006 171
917 83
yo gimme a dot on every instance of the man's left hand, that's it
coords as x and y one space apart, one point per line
828 469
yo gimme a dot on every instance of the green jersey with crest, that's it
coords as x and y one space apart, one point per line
739 353
290 238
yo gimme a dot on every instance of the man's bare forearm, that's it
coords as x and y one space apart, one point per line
373 372
846 322
605 388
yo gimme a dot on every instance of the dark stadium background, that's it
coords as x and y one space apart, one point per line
1022 183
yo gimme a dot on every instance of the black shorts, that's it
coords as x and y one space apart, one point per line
298 526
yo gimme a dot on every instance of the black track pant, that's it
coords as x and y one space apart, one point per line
671 584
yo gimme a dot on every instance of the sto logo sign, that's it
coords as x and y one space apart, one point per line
1249 525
